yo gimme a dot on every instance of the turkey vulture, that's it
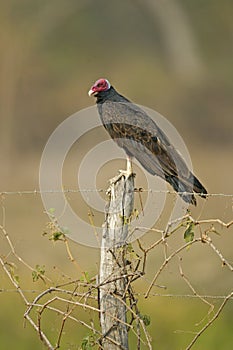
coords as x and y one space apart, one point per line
134 131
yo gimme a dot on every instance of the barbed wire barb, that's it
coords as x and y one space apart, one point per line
65 299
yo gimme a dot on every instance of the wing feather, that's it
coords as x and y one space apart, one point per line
134 131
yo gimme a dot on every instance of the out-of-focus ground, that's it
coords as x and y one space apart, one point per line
174 57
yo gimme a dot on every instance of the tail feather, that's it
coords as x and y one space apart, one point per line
187 187
197 186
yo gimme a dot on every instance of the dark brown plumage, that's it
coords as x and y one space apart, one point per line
134 131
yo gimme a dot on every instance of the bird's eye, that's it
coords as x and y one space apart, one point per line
99 85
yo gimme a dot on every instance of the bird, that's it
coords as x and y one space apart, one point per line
141 138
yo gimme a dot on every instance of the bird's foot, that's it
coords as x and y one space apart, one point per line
124 173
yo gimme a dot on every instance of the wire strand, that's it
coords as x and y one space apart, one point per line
36 192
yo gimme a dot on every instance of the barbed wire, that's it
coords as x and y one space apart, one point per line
83 292
178 296
87 190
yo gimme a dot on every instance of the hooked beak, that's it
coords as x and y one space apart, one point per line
91 92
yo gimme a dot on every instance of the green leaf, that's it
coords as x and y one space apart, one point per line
16 278
35 276
13 267
38 272
131 254
145 319
189 232
56 236
88 342
85 277
130 248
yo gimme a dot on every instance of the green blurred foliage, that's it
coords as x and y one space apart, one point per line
51 52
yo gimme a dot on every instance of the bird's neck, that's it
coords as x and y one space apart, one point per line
103 96
110 95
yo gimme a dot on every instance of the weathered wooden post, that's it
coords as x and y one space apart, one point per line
113 280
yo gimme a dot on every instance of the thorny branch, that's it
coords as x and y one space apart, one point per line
69 298
210 321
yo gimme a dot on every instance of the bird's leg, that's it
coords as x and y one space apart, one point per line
127 173
129 168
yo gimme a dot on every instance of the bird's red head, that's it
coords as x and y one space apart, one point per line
100 85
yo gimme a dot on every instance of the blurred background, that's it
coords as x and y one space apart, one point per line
174 56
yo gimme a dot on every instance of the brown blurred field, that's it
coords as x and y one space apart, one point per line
175 58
